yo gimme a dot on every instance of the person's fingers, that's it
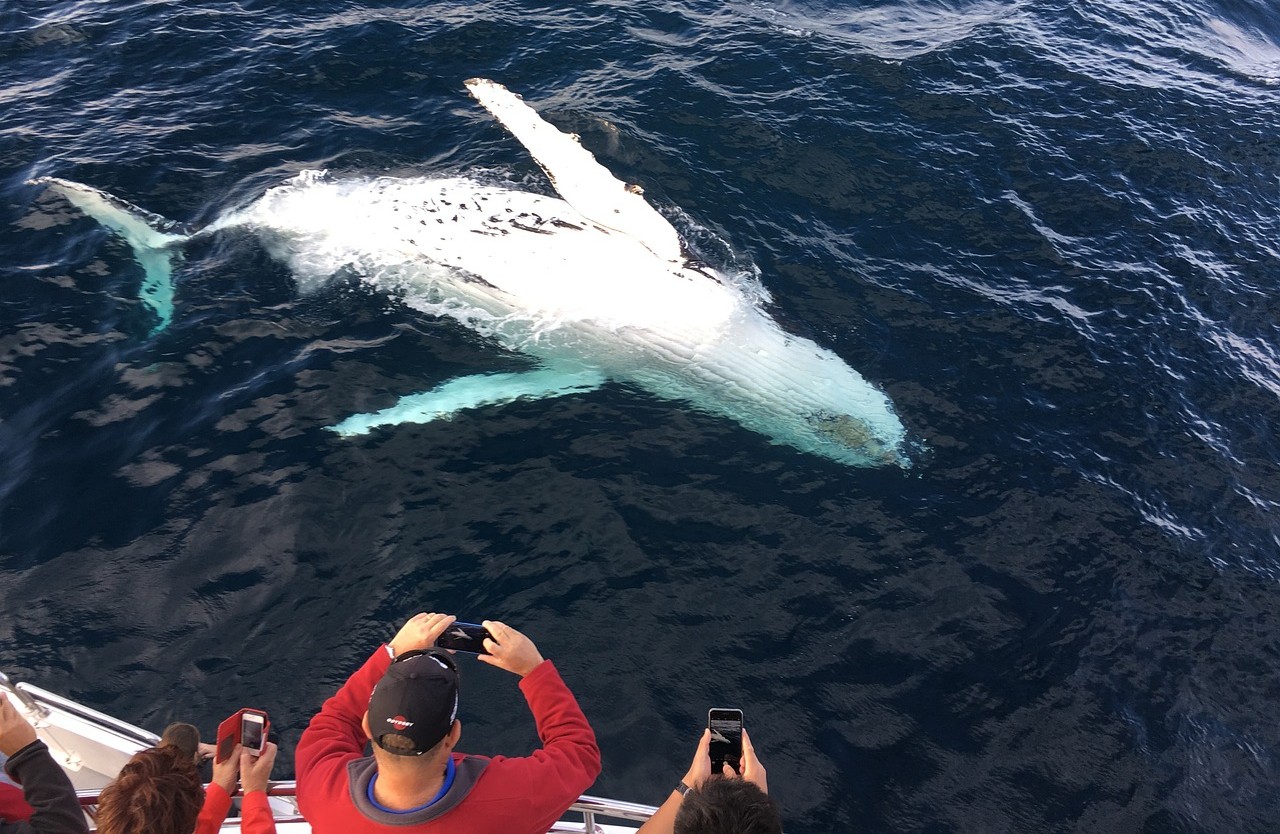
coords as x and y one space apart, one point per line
263 759
727 770
491 646
225 772
498 661
439 622
255 771
749 760
704 745
753 769
700 768
501 632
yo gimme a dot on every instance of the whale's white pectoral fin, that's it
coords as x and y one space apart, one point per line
156 251
583 182
447 399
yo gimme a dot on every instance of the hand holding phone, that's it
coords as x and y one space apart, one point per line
247 727
726 739
464 637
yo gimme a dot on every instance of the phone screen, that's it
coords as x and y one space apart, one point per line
464 637
251 733
726 738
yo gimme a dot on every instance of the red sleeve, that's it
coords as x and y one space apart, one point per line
13 808
47 789
214 810
255 814
551 779
335 736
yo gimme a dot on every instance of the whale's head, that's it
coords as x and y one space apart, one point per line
785 387
853 439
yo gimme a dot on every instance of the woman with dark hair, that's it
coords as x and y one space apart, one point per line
157 792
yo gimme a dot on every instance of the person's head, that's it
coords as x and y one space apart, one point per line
157 792
724 805
185 737
413 711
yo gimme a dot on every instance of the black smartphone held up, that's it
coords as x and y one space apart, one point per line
464 637
726 738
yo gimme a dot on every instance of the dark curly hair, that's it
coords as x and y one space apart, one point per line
727 806
157 792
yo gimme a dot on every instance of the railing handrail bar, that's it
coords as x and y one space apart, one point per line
35 698
28 702
586 804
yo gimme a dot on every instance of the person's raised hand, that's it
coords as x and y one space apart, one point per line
509 649
752 770
255 771
700 769
226 772
15 732
421 632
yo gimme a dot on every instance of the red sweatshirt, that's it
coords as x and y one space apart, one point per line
256 817
499 795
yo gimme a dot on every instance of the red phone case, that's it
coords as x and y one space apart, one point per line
229 732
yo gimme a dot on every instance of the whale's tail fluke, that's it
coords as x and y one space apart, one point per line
157 251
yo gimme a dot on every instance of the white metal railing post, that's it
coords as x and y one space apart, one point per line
39 710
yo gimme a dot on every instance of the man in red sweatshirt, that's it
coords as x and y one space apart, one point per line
405 700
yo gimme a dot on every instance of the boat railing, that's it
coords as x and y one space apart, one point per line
590 807
37 701
28 703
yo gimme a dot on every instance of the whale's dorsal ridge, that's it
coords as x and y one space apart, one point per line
579 178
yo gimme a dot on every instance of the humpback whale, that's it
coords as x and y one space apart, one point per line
593 285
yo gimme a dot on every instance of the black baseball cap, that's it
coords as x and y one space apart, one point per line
415 703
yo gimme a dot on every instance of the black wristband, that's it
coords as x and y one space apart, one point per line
682 788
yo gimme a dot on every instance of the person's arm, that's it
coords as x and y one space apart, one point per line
45 785
336 734
46 788
217 796
664 819
255 811
569 761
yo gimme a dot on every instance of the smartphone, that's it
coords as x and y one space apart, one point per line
464 637
726 738
253 731
233 730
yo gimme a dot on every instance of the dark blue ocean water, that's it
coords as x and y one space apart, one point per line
1048 231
